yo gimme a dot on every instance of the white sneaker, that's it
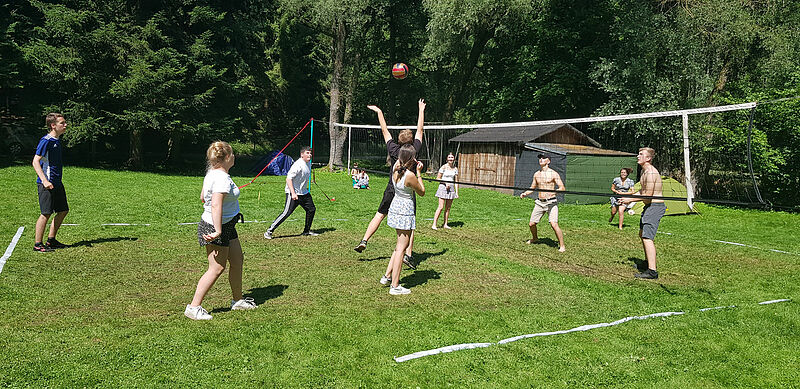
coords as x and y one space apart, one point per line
243 304
399 290
386 280
196 313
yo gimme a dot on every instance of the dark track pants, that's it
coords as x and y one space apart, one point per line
304 201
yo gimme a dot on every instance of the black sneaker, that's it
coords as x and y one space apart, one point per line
361 246
648 274
39 247
409 262
54 244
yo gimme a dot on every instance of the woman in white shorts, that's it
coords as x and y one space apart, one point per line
447 191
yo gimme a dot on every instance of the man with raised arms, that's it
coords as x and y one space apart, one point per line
654 209
545 181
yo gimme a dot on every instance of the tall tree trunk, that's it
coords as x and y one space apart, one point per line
337 134
135 155
456 94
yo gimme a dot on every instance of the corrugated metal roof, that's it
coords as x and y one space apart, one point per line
562 149
507 134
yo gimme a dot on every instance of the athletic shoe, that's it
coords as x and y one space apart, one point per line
268 235
409 262
386 280
243 304
310 233
39 247
648 274
631 212
399 290
361 246
54 244
196 313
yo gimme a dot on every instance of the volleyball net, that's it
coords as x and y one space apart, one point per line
704 154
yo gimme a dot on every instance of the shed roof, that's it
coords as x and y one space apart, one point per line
564 149
518 135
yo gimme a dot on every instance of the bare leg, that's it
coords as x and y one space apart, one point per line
649 253
447 204
535 237
403 239
236 263
56 224
613 212
41 224
373 225
621 215
217 256
559 235
438 212
410 244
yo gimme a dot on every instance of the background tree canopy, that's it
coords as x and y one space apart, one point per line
154 81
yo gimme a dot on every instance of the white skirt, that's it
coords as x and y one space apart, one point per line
443 193
401 214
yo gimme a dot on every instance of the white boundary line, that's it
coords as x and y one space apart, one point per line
587 327
11 246
753 247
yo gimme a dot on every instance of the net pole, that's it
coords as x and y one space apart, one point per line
311 161
686 166
349 144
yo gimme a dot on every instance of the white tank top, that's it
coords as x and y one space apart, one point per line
401 190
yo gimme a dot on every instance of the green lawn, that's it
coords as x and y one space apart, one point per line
109 311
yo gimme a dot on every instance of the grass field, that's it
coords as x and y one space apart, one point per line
108 311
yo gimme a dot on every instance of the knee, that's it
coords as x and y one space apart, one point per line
312 209
532 225
216 269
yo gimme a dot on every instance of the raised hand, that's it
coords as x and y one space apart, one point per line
421 104
374 108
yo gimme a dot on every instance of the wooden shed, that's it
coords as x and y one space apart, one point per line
507 156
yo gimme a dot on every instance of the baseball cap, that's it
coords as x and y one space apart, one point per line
543 155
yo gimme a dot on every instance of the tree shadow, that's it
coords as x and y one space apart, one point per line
420 277
638 263
419 258
90 243
546 241
259 295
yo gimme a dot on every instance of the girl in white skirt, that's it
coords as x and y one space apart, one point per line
447 190
401 212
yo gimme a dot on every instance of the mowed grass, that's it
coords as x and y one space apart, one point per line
109 311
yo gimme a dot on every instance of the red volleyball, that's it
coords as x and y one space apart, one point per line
399 70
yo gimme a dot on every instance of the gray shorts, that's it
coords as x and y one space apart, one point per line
651 216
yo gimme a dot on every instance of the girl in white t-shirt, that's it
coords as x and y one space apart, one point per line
217 232
621 185
447 190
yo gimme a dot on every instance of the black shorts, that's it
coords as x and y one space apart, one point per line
52 200
224 239
388 196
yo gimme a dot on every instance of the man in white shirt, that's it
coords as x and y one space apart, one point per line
297 194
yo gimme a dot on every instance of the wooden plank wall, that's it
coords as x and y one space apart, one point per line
563 135
488 163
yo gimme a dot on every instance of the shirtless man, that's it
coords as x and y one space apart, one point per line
654 209
545 180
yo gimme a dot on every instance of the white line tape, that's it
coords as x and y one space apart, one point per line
752 247
10 248
69 224
774 301
467 346
124 224
447 349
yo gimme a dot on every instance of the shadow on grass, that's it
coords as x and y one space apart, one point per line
319 231
420 277
547 242
455 224
259 295
373 259
90 243
422 257
638 263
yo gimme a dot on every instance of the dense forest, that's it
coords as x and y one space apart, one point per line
165 77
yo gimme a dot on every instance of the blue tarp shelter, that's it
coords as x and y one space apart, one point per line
279 167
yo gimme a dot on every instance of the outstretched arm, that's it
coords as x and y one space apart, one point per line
420 119
384 129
